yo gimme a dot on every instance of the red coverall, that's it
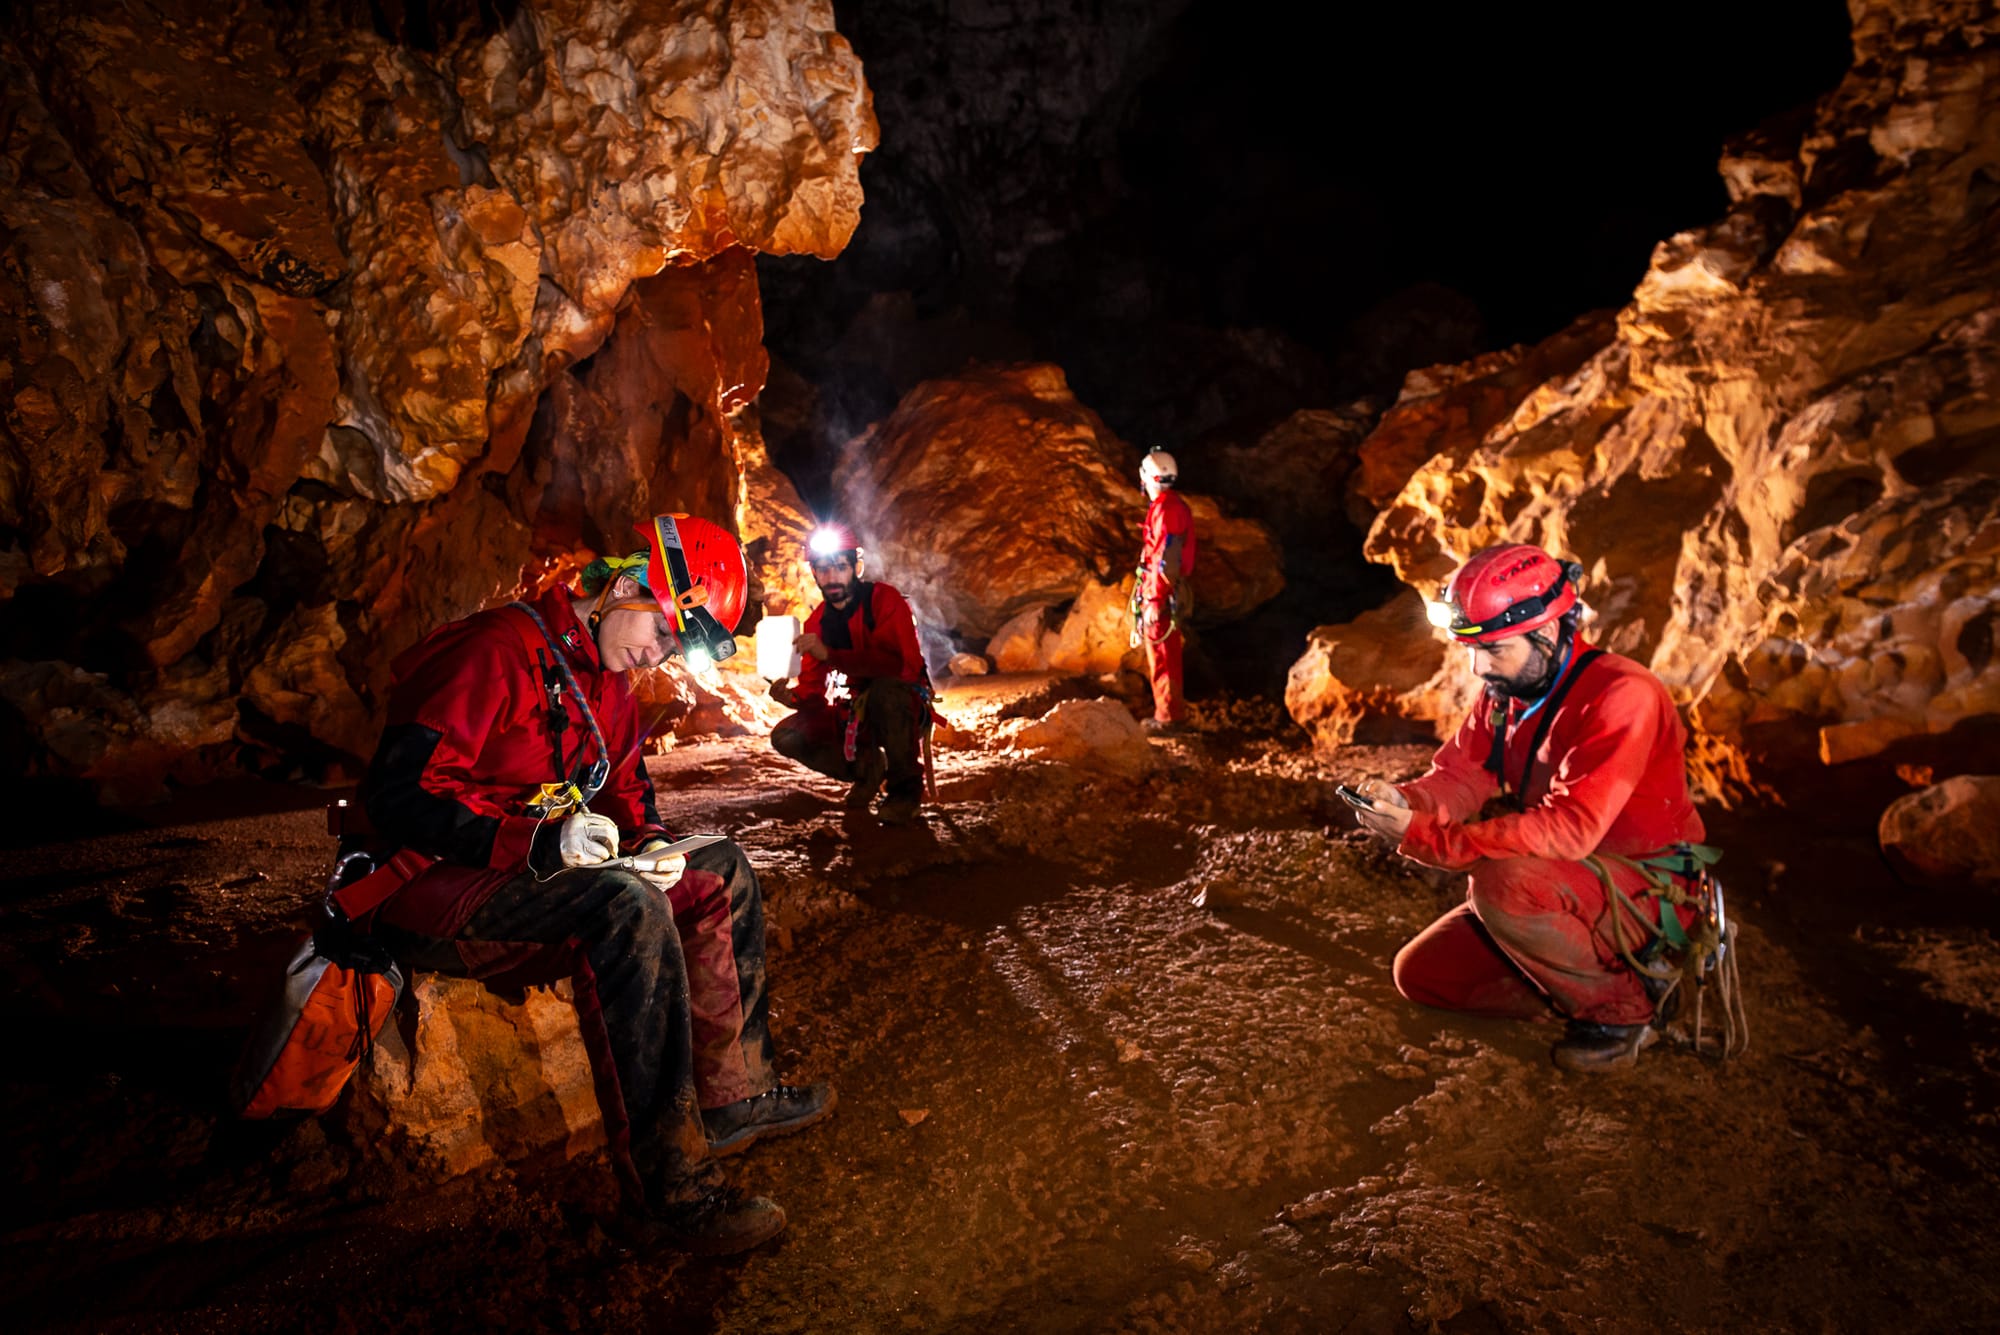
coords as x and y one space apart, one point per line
1535 927
1168 519
669 989
883 664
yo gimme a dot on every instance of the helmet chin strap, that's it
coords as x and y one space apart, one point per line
1557 657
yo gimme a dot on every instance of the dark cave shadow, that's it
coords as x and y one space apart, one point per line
1286 931
969 894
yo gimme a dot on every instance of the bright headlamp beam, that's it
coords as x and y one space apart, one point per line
697 659
1440 614
824 542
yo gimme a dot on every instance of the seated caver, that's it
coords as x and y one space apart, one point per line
1597 870
513 761
864 631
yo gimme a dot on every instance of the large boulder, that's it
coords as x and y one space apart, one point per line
487 1079
993 492
1380 679
1780 474
1947 834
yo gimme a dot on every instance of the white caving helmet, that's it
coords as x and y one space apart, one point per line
1159 466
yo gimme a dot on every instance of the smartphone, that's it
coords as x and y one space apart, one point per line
1353 797
651 859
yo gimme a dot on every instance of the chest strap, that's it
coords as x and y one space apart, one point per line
571 789
1496 763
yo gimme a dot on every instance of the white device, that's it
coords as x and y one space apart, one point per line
778 648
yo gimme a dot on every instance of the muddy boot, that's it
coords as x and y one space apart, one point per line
869 769
775 1112
1159 727
899 810
1590 1046
719 1222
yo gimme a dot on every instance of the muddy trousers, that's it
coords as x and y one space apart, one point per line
669 992
1163 664
891 719
1532 933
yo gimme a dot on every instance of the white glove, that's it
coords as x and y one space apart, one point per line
666 874
587 839
663 874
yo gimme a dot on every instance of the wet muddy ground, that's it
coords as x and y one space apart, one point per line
1069 1098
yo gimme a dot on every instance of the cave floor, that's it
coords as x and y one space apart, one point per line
1069 1099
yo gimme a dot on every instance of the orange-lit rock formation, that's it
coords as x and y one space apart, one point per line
994 492
1780 475
295 326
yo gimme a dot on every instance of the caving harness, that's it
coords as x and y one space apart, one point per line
1675 876
1136 605
572 789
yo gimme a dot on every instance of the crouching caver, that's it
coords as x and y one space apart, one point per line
512 760
863 630
1597 866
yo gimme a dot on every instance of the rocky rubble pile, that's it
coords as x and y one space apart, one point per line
1778 464
298 327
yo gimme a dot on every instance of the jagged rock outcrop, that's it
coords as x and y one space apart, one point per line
1781 474
995 491
296 324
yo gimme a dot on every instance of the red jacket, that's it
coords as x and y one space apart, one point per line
469 741
1612 775
886 648
1167 517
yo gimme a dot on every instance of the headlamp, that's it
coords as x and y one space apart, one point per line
700 633
824 542
697 658
1525 610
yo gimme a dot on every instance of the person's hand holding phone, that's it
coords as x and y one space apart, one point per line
1386 814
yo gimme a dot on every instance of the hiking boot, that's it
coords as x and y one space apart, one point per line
1589 1046
720 1222
1160 727
778 1111
868 774
899 810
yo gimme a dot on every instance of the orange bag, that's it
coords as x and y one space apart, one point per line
339 992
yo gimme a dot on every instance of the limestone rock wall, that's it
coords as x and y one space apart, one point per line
296 328
1781 471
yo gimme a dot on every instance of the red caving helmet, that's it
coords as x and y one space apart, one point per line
1505 591
685 552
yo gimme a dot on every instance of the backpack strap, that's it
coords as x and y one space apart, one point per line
1496 762
541 645
363 897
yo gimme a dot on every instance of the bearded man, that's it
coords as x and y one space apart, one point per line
1586 753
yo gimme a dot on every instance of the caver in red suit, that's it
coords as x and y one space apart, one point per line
1594 765
668 973
876 734
1163 593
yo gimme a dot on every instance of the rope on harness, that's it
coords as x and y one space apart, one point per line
1708 954
1136 606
